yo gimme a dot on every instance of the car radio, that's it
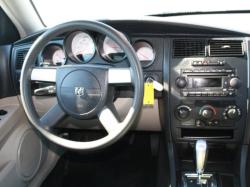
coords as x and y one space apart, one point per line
208 82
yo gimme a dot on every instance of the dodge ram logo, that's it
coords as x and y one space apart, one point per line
79 91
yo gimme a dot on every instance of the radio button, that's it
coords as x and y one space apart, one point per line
184 94
204 93
191 93
205 63
229 71
217 93
198 94
187 71
210 94
225 93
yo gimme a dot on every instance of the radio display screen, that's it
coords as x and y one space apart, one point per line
201 82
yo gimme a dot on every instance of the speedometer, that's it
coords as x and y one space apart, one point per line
110 50
80 46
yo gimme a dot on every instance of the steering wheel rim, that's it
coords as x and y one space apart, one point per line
136 77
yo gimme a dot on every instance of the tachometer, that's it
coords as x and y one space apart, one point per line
80 46
145 53
111 51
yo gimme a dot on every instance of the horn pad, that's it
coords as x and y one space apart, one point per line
79 93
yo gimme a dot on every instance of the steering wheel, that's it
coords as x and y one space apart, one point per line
75 85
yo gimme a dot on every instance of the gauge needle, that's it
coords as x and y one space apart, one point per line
114 46
146 58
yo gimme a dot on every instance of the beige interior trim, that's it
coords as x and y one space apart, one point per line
149 119
12 118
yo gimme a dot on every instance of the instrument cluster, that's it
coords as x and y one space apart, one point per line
81 47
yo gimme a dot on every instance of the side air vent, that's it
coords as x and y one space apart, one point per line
188 48
20 56
17 59
226 48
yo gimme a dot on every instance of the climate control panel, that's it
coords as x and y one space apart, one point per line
213 114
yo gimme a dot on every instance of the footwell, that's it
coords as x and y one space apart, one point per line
128 163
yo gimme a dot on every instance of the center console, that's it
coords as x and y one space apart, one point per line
208 93
208 97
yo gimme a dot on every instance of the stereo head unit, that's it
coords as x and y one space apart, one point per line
208 82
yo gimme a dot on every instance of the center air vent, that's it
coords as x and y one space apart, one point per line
188 48
226 48
20 56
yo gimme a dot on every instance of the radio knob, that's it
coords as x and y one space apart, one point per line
207 112
181 82
183 112
235 82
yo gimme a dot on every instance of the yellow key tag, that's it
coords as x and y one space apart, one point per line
148 94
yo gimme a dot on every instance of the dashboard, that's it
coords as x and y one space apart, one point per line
204 72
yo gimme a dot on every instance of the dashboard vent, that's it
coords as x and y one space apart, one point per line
20 56
226 48
188 48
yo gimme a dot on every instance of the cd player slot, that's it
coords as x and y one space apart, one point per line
206 74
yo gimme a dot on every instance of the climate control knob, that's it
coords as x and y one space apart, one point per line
207 112
232 112
181 82
183 112
235 82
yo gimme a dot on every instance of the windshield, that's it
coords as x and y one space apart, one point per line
53 12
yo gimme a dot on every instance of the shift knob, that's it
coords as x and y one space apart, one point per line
201 154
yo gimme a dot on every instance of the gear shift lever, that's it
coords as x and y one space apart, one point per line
201 154
199 178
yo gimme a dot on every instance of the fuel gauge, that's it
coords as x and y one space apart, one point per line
145 53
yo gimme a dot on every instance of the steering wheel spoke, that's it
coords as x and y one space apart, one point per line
120 76
52 117
43 74
110 120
